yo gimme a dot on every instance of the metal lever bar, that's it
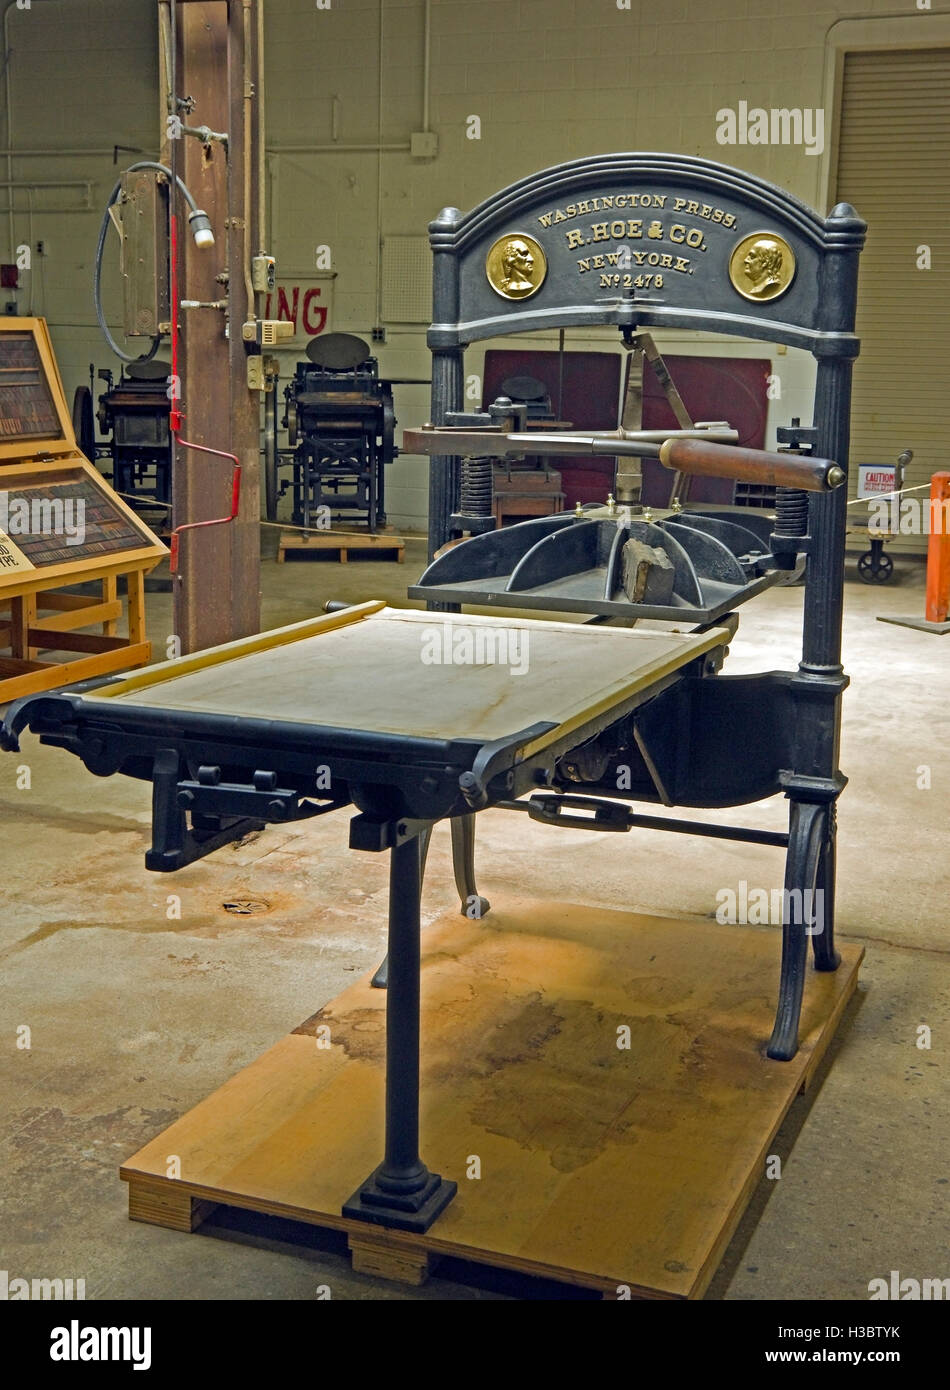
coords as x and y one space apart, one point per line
547 807
601 815
696 456
489 442
701 451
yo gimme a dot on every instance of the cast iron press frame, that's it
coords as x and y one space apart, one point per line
703 742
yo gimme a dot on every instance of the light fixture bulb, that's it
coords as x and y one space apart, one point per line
201 228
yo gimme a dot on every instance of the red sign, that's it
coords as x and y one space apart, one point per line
304 303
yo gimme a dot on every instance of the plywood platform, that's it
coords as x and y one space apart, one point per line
305 545
600 1166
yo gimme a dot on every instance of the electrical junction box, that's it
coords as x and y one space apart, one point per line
141 217
263 274
423 144
266 332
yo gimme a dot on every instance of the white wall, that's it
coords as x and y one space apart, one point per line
551 80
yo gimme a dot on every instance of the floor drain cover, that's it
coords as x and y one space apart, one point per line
246 907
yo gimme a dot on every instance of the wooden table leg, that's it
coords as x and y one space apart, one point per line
136 601
22 618
110 589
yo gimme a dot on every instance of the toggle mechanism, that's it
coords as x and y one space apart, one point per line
618 560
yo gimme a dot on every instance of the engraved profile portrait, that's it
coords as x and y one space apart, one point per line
762 266
516 266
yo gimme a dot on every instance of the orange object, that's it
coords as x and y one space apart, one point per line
938 550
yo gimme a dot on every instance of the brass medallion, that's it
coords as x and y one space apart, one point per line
516 266
762 266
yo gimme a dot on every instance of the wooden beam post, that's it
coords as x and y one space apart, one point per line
217 596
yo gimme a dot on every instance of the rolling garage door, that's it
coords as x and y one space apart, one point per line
894 167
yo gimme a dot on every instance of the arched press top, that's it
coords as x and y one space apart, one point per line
647 240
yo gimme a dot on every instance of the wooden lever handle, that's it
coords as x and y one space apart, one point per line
751 465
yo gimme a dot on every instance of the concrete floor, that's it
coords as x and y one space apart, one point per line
135 1017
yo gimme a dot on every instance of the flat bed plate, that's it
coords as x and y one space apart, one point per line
419 675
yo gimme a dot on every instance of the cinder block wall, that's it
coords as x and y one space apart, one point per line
550 80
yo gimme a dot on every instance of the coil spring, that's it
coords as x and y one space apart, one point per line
791 512
476 487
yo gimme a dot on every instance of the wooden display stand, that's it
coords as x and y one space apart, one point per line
61 525
595 1080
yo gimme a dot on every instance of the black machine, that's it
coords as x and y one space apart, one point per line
134 412
340 424
646 241
630 240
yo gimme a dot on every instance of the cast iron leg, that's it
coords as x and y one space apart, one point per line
823 942
463 862
425 838
401 1191
807 837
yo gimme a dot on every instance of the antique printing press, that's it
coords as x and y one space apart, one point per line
134 413
641 242
341 711
340 424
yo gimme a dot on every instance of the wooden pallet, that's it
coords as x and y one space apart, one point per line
319 543
621 1170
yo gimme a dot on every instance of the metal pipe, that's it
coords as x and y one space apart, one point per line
175 464
8 100
29 202
262 238
246 109
58 208
47 183
205 134
273 201
403 147
164 55
426 63
60 153
636 821
379 168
